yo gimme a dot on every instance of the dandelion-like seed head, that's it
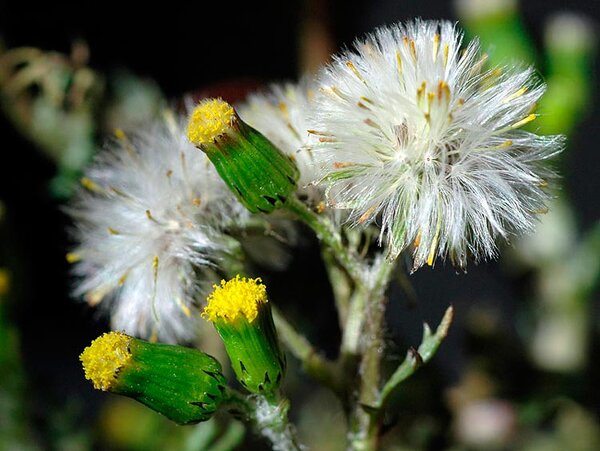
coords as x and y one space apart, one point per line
423 138
209 120
237 297
103 359
150 223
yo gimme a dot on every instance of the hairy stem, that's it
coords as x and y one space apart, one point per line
364 421
327 233
268 415
271 419
352 329
341 285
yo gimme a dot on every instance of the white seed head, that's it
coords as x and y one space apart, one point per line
149 226
425 139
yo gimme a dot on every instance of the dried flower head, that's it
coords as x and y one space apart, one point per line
150 227
420 135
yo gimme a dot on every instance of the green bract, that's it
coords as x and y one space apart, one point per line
183 384
259 174
253 349
241 313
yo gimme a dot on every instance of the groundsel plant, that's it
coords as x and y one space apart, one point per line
150 220
419 134
410 132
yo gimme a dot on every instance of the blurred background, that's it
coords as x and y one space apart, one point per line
519 369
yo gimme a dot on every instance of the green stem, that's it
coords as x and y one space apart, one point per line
318 367
364 421
239 405
369 292
268 414
231 439
365 426
341 285
352 330
271 419
362 328
328 234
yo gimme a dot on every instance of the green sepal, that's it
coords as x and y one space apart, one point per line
253 348
183 384
257 172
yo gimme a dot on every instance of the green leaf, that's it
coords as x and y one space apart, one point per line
416 358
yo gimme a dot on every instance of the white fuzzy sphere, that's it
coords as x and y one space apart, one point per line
417 135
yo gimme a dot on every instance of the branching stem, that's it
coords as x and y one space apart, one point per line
327 233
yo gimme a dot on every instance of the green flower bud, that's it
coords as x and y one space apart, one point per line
241 313
257 172
183 384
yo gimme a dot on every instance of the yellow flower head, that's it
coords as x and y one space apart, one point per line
239 296
210 119
103 359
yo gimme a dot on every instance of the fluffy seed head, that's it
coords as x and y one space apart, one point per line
104 358
422 138
235 298
150 226
210 119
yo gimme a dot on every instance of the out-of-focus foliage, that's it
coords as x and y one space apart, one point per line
124 424
15 427
63 106
51 98
561 257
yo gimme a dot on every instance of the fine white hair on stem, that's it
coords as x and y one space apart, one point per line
418 135
149 227
280 113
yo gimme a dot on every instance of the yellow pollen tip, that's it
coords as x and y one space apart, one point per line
417 239
210 119
239 296
72 257
120 134
524 121
104 358
366 215
90 185
4 282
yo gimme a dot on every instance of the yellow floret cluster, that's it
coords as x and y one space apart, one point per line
210 119
104 358
239 296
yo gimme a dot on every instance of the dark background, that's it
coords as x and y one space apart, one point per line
186 46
